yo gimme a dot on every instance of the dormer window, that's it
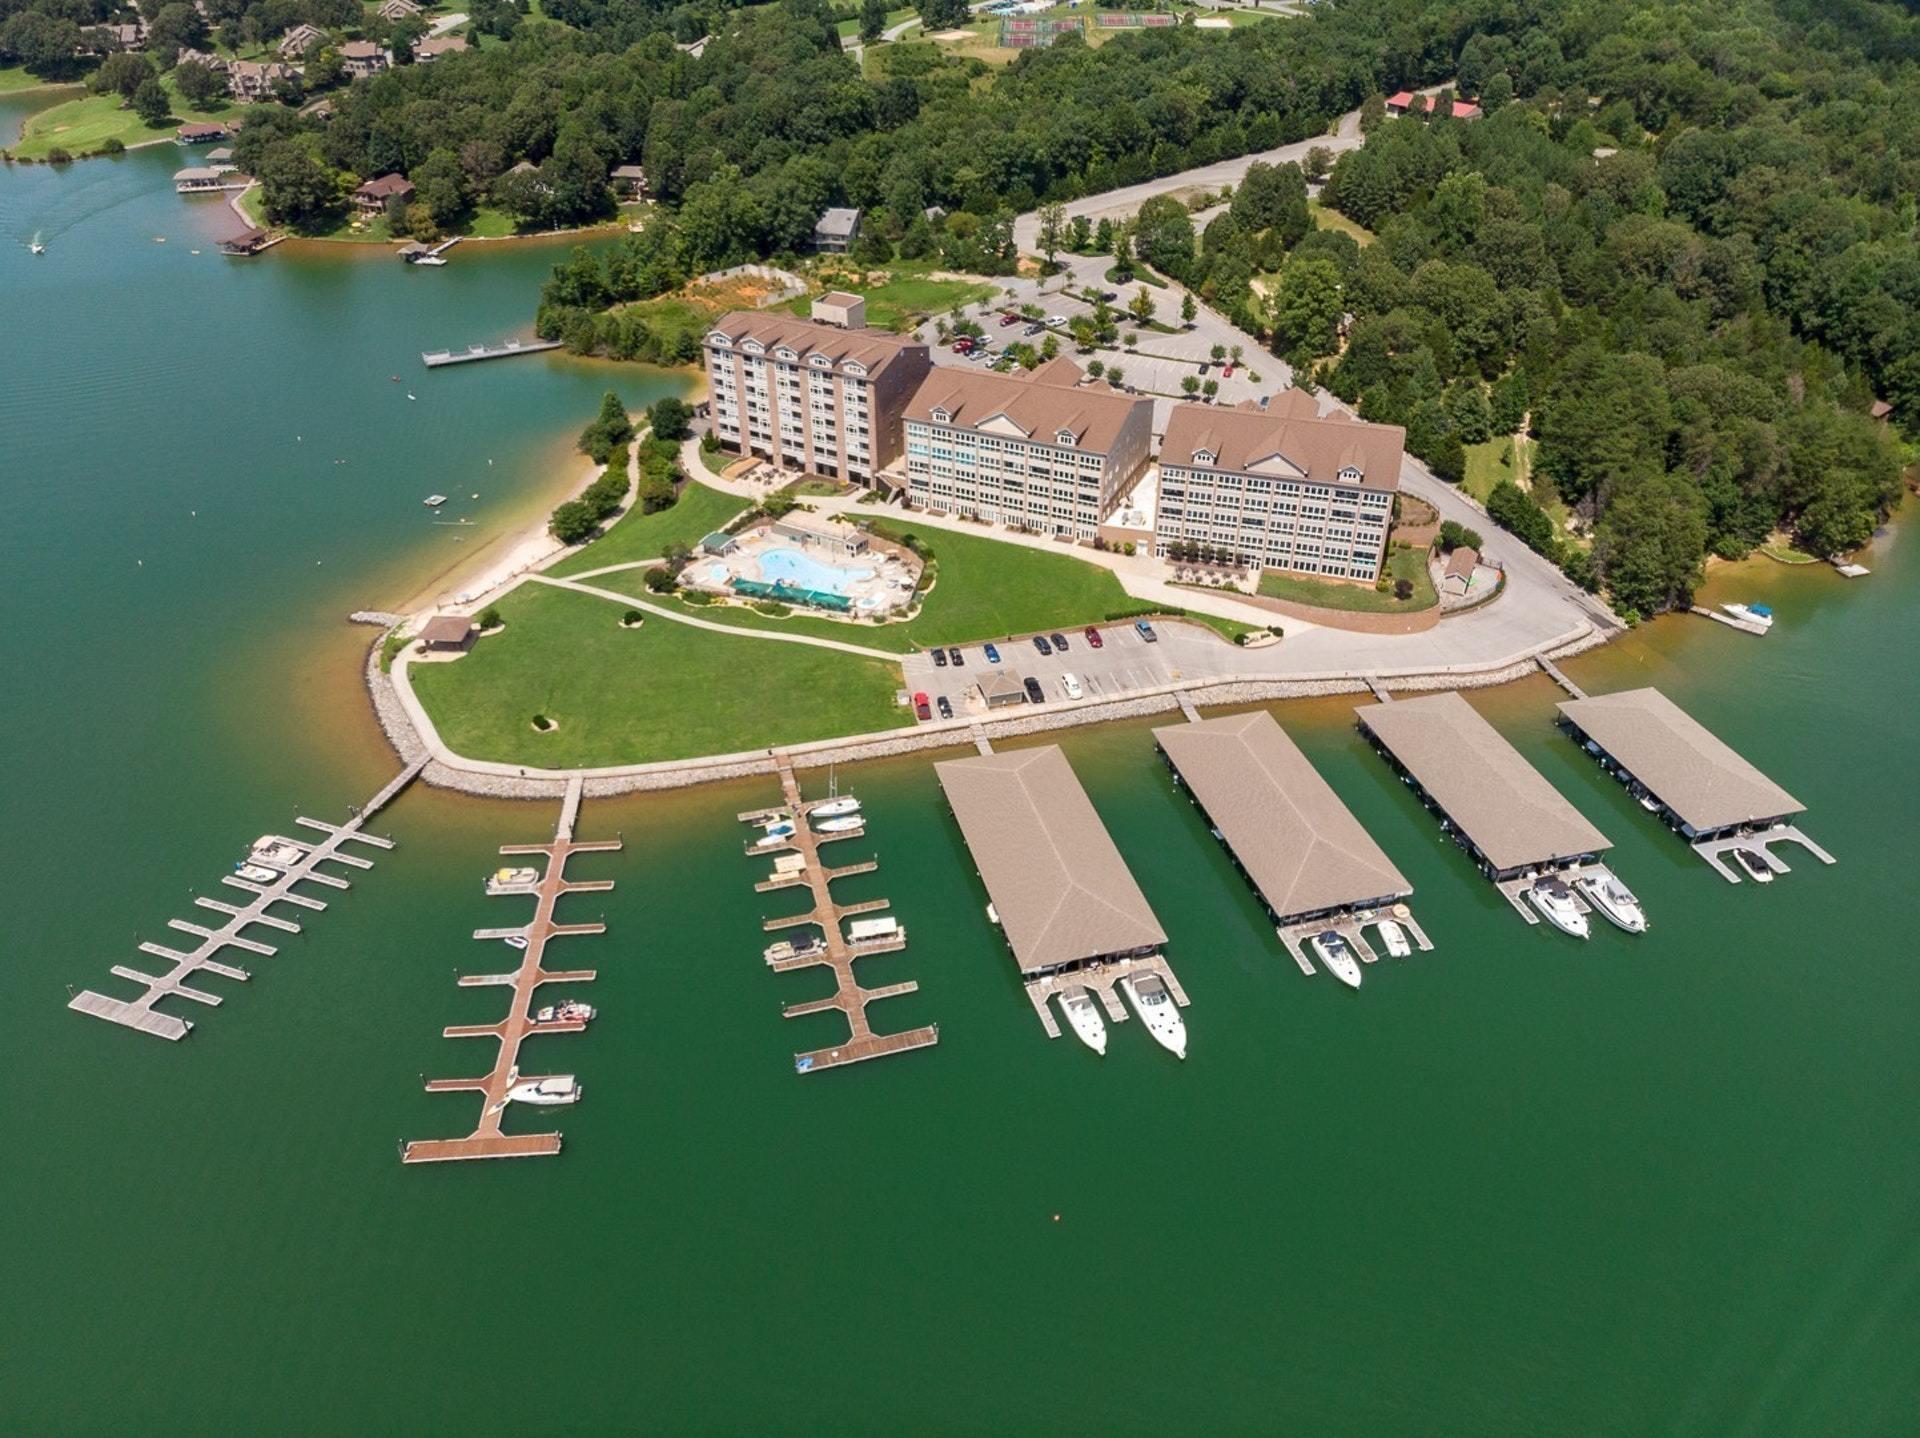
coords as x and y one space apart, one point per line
1204 456
788 354
820 362
853 367
941 415
1349 475
1063 437
719 340
754 347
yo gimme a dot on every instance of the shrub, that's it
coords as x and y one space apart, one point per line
1513 509
710 442
58 156
490 618
113 145
633 616
772 608
659 579
542 723
1127 548
1403 590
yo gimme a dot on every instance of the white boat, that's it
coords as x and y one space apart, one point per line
838 826
1613 899
254 874
35 245
845 804
1394 937
1336 957
993 914
428 260
282 853
1151 1000
779 829
786 949
1758 614
874 931
571 1012
516 941
1756 867
561 1088
1648 802
432 501
1556 903
1083 1014
511 879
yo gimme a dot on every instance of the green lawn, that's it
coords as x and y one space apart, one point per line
1492 461
848 28
621 696
1326 219
907 300
889 637
701 510
81 126
16 78
1360 598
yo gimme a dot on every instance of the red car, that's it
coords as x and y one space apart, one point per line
1227 373
1094 639
922 709
963 346
1009 319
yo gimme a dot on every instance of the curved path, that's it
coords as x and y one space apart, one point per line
738 631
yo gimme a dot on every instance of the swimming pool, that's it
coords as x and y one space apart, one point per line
802 571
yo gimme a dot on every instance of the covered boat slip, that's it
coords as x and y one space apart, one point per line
1312 864
1676 766
1499 808
1070 909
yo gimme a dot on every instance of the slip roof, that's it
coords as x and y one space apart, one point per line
1270 443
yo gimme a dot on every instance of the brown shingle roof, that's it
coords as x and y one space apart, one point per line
1061 889
385 187
1301 846
446 629
1319 448
1685 765
871 348
1040 410
1460 563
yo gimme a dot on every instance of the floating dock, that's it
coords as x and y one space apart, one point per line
1312 864
1681 771
837 952
473 354
1498 807
1068 906
487 1139
141 1014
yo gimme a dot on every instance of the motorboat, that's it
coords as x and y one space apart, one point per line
255 874
1756 867
832 808
35 246
1758 614
516 941
1336 957
779 829
1083 1014
1613 899
1394 937
993 914
839 826
1151 1000
1648 802
561 1088
501 879
786 949
1556 903
571 1012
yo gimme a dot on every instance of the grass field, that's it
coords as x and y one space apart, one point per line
621 696
16 78
906 300
700 511
1492 461
1358 598
849 28
1326 219
81 126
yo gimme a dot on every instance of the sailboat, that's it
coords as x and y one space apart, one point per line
35 245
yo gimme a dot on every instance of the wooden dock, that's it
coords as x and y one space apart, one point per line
141 1014
473 354
1552 671
1351 927
487 1139
1103 981
838 954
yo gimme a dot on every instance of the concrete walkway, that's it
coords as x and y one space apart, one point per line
737 631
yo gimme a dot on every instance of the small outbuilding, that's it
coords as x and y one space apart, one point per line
630 181
1001 690
447 634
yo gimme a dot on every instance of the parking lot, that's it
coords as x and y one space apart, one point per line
1125 663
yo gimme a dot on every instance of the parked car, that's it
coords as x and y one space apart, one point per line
1033 329
1009 319
963 345
1227 373
956 657
1072 686
946 709
1146 631
922 709
1094 639
1040 643
1032 686
939 659
1059 642
992 653
1058 321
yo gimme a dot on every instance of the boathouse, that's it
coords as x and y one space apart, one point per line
196 178
1064 896
247 242
1662 753
1498 807
1300 846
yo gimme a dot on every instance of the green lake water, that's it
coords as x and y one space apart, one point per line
1520 1185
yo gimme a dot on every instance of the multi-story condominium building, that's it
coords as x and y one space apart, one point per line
1043 452
1279 488
811 396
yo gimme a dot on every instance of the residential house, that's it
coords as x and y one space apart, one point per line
630 181
372 198
431 48
1280 487
1406 102
391 10
254 80
125 37
363 58
298 42
836 231
811 396
215 63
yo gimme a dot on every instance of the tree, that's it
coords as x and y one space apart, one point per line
571 522
199 85
1189 309
1318 164
298 190
1053 230
1122 252
175 28
1651 542
121 73
1217 353
610 431
873 20
658 580
1190 385
1306 307
671 418
1115 376
1080 233
1141 307
440 184
1210 388
943 14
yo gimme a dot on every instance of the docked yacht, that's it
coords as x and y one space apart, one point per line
1336 957
255 874
561 1088
832 808
1758 614
516 941
1394 937
1755 866
1614 899
511 878
839 826
786 949
571 1012
281 853
779 829
1556 903
1084 1015
1154 1003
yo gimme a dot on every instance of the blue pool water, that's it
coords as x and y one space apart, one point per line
805 572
